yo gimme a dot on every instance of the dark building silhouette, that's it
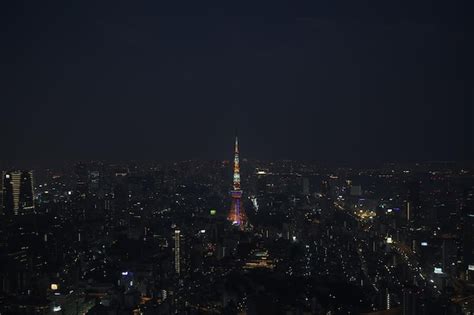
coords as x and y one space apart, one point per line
468 235
26 190
82 176
413 201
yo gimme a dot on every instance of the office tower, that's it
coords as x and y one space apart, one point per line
305 184
388 300
408 211
82 177
94 178
26 197
177 258
237 214
413 201
356 190
467 210
17 191
325 188
409 301
261 182
7 193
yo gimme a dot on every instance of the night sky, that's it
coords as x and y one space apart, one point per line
331 81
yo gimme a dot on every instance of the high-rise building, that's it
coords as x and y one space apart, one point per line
94 178
409 303
237 214
325 188
26 198
305 186
261 182
82 176
177 257
413 201
468 226
17 191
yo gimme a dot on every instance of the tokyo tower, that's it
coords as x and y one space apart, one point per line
237 214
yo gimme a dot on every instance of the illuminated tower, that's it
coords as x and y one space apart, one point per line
237 214
18 192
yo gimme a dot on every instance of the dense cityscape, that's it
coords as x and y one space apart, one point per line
224 157
194 237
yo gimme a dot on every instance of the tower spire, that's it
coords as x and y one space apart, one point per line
237 215
236 178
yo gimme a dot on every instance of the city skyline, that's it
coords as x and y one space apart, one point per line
194 158
170 238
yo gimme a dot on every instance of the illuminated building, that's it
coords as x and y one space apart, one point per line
388 306
18 192
177 265
237 214
259 259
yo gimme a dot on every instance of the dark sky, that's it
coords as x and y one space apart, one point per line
329 81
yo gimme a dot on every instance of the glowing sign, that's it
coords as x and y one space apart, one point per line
438 270
470 267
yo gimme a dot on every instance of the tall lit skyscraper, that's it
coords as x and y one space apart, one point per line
177 258
237 214
18 192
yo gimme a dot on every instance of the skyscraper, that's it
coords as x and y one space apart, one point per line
26 198
18 192
237 214
82 174
177 258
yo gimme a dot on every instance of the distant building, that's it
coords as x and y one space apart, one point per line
177 258
305 184
325 188
413 189
17 191
94 178
356 190
82 177
261 182
468 235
